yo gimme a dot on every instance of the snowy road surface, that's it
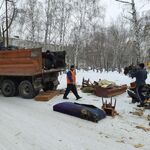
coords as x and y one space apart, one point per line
31 125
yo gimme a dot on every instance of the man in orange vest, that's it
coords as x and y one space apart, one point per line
71 83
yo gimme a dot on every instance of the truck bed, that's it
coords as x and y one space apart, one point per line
23 62
20 62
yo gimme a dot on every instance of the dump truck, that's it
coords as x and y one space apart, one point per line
24 72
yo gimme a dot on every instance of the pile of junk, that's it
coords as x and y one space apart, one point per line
103 88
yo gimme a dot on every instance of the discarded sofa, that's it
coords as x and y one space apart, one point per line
83 111
102 88
110 91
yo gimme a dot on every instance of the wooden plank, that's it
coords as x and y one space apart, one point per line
46 96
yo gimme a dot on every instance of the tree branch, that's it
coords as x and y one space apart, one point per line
123 2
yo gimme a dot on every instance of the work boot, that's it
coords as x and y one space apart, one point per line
141 105
134 101
65 98
78 98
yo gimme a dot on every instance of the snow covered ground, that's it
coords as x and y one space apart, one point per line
31 125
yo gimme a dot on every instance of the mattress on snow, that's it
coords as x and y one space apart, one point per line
84 111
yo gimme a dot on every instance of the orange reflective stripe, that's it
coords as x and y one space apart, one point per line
73 77
68 81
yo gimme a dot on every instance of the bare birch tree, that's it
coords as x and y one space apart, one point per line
136 28
33 15
84 19
50 8
7 19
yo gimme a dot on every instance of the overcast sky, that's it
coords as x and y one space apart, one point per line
113 8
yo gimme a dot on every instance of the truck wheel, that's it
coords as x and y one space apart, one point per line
8 88
26 89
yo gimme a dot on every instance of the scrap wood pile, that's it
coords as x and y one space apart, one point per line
138 111
102 88
147 103
88 86
46 96
143 128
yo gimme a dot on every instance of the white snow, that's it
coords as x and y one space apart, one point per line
31 125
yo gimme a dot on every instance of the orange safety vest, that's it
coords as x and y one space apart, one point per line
73 75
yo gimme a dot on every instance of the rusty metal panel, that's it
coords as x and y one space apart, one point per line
21 62
15 53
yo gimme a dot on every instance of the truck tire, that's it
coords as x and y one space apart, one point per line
8 88
26 89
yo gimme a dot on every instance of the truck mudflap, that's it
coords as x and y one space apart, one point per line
37 83
52 85
56 83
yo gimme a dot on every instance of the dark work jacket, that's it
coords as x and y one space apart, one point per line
140 75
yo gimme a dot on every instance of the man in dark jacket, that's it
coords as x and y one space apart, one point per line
71 83
141 75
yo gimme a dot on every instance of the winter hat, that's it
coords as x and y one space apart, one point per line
72 66
141 65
